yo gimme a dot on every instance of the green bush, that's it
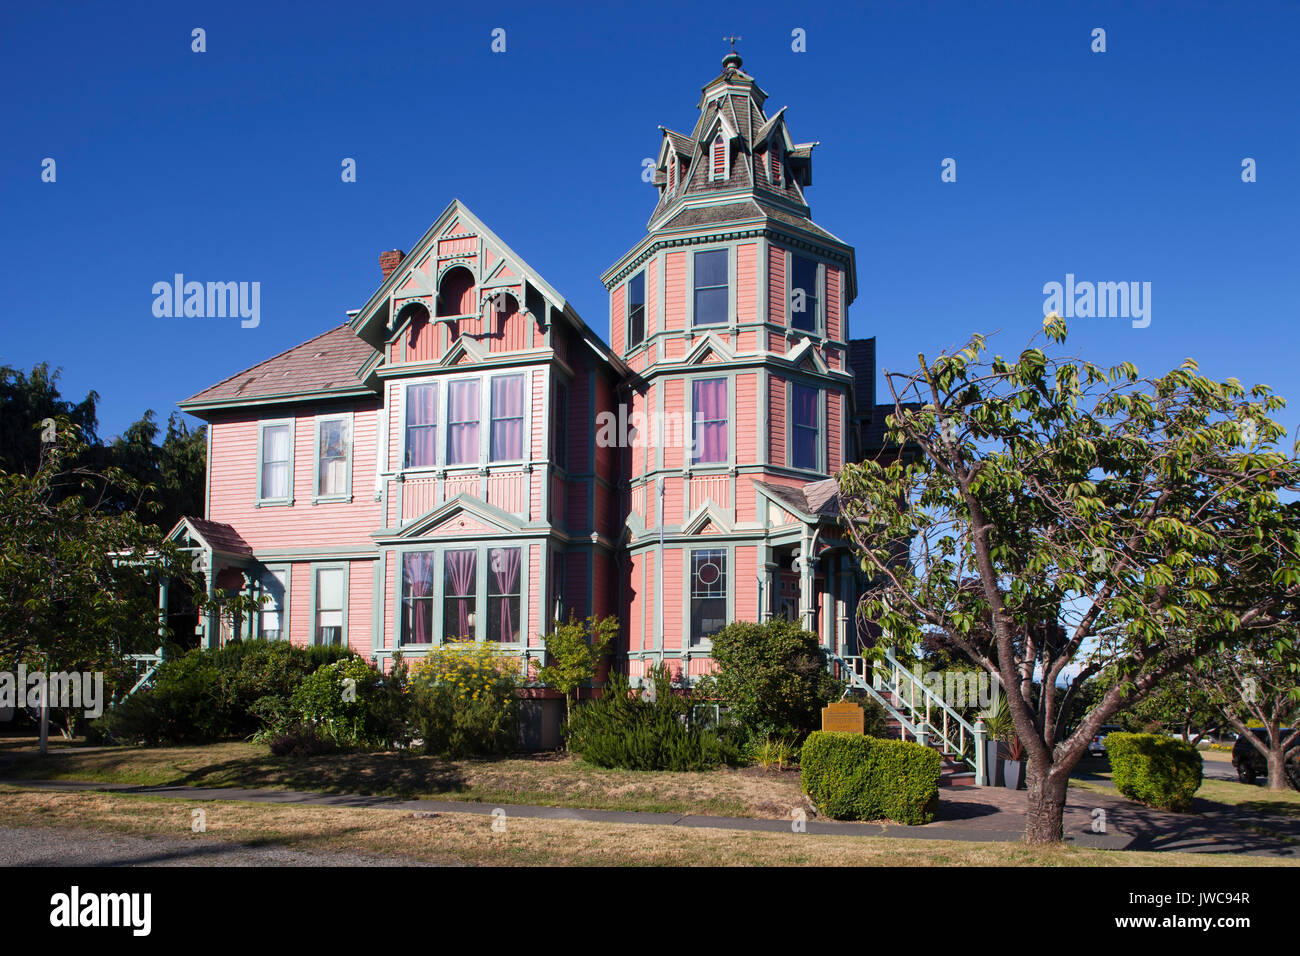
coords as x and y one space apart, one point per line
258 679
619 729
182 707
853 777
463 700
1156 770
772 677
351 703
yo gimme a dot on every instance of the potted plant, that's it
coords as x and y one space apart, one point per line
999 727
1012 766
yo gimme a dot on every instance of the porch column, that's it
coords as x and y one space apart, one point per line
767 579
164 587
842 590
807 599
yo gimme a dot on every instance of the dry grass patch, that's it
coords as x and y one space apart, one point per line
469 839
541 779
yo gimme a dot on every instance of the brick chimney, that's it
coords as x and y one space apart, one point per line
390 260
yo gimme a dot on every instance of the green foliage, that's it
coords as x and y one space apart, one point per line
574 651
853 777
182 707
772 752
1156 770
772 677
350 703
620 729
463 700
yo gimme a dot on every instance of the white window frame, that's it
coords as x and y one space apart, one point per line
819 446
316 569
267 571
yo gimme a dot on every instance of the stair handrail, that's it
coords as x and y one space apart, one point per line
957 746
859 682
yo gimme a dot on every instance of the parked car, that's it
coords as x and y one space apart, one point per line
1097 746
1250 763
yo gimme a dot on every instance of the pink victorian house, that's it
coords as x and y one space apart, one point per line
466 458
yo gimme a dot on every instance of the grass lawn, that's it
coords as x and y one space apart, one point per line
541 779
469 839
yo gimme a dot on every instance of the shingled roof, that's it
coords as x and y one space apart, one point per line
819 499
321 366
217 535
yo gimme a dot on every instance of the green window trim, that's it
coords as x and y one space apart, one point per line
262 428
350 442
819 441
815 295
267 571
481 595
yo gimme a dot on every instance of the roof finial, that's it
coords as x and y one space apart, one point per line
732 60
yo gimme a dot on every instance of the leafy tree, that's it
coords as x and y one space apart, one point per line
1255 681
28 400
78 578
574 652
1086 517
773 678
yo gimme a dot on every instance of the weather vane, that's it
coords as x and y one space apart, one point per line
732 41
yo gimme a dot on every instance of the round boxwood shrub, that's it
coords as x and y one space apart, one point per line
1156 770
853 777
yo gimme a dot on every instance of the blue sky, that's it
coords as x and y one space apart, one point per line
225 166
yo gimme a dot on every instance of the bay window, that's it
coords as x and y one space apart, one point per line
459 594
503 595
803 294
711 287
709 434
805 420
708 594
422 425
463 416
636 310
506 437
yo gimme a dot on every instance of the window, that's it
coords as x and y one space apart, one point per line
711 287
506 438
560 433
774 162
709 437
803 294
459 598
636 310
462 422
329 605
557 585
719 170
417 598
503 595
708 594
334 457
672 173
275 479
271 625
804 422
422 425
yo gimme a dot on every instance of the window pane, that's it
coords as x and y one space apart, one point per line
708 594
803 294
636 310
417 598
710 404
805 426
273 608
462 422
276 448
506 440
329 589
421 425
332 468
711 268
503 595
459 580
711 307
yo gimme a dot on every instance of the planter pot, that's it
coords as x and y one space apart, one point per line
991 761
1011 774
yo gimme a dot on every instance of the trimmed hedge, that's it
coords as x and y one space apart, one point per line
1156 770
853 777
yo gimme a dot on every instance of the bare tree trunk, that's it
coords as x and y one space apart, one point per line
1276 765
1046 805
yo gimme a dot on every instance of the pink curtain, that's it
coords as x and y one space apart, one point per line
711 420
421 417
504 563
462 422
460 582
417 570
507 438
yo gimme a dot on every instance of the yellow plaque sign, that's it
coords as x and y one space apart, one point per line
843 715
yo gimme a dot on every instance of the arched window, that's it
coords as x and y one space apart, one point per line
418 315
672 173
719 158
456 293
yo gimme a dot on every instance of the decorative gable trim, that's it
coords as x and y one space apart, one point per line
806 356
480 513
710 519
709 346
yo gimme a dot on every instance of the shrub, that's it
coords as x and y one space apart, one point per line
300 740
1156 770
182 706
349 702
620 729
853 777
258 679
772 752
772 677
463 700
